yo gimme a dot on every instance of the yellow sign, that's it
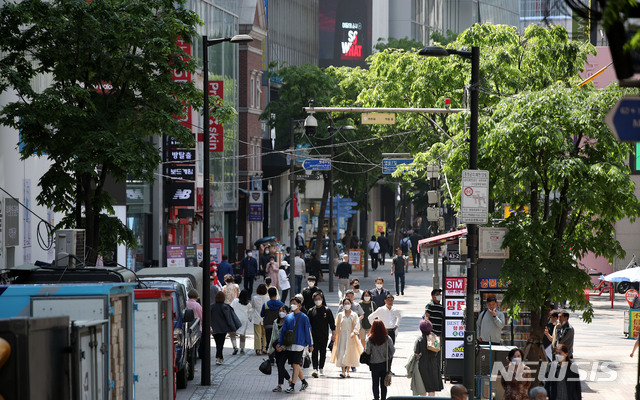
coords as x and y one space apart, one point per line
379 227
508 210
378 118
634 323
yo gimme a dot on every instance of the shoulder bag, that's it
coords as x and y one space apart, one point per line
289 336
265 367
387 378
433 342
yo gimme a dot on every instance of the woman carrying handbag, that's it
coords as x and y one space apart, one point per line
426 349
380 348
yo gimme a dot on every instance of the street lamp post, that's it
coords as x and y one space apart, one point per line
206 217
469 335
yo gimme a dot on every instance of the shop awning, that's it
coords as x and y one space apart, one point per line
441 240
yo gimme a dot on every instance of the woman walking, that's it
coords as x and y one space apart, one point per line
374 250
272 272
231 289
223 321
428 364
242 308
280 356
368 307
347 348
380 348
558 386
516 387
322 322
284 281
259 334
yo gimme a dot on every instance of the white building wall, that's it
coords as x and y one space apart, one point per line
380 20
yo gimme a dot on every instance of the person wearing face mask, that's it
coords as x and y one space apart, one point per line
297 322
565 332
433 311
490 323
322 321
299 270
309 292
549 340
280 356
379 294
342 272
355 286
368 307
249 270
562 379
398 267
517 380
347 348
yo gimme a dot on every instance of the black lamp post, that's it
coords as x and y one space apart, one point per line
206 217
469 335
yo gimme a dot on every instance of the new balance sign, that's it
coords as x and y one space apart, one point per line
180 194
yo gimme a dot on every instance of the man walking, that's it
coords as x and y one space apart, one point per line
309 292
398 268
433 311
565 332
249 270
343 271
299 270
384 247
490 323
389 315
322 321
374 250
415 238
224 268
379 294
299 324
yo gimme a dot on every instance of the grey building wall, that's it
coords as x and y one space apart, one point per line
293 31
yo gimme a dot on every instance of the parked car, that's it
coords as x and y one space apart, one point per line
324 256
186 332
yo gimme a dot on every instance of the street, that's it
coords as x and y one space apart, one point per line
601 341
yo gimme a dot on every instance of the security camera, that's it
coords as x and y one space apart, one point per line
310 125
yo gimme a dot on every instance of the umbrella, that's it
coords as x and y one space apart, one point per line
624 275
263 240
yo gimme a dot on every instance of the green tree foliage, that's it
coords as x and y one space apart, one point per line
444 39
398 44
109 64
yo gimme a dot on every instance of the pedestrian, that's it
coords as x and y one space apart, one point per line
308 292
379 293
193 304
267 281
385 247
414 239
242 307
342 272
299 270
635 346
490 323
565 333
374 250
405 244
562 378
550 339
269 312
283 278
429 378
459 392
380 348
231 289
516 383
389 315
347 347
368 307
259 334
355 286
433 311
355 306
538 393
322 322
315 267
297 322
224 268
398 268
223 322
249 270
280 356
272 272
300 242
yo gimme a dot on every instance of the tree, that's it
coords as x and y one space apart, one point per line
108 64
403 44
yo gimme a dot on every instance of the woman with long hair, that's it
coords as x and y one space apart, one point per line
347 348
368 307
428 363
223 321
516 386
280 356
242 308
259 333
562 379
380 348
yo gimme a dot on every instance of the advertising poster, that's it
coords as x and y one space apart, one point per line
454 328
217 246
634 323
454 349
379 227
344 32
11 223
190 256
455 287
454 308
175 256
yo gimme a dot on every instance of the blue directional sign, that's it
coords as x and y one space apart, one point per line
316 165
624 119
390 165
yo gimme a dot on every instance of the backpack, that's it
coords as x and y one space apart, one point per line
269 316
404 245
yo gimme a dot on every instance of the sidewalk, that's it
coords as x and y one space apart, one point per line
239 378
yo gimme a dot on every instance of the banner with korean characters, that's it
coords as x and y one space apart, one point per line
454 307
455 287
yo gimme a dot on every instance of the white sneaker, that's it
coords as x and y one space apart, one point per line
321 372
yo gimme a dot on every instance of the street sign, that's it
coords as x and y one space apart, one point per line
624 119
378 118
316 165
304 177
390 165
474 207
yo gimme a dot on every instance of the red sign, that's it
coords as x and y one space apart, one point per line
630 296
217 248
182 76
455 287
216 88
216 130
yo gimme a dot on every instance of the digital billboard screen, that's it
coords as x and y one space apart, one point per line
344 32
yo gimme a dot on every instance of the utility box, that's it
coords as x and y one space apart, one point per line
38 366
86 302
154 344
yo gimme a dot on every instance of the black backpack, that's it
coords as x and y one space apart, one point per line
404 245
269 316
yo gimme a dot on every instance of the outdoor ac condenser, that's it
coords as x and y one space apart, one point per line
70 242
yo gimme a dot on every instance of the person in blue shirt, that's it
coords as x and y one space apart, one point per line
299 323
224 268
249 268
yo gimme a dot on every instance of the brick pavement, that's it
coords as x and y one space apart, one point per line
239 377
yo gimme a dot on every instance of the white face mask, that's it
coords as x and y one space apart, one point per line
318 302
282 314
378 286
516 360
248 255
438 298
294 307
347 306
559 357
366 298
311 283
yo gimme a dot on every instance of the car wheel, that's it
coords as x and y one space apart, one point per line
182 376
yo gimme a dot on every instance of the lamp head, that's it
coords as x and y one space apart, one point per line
433 51
241 39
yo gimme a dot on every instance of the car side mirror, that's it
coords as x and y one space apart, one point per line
188 316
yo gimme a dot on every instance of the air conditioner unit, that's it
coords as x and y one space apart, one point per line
70 242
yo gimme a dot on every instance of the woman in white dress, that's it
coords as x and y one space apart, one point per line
347 348
242 308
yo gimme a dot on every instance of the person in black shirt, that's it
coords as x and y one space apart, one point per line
314 267
414 238
343 271
308 292
398 267
321 320
434 310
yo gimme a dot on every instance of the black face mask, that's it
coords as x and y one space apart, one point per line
356 286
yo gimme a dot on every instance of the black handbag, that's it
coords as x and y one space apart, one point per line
306 361
365 358
330 346
265 367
